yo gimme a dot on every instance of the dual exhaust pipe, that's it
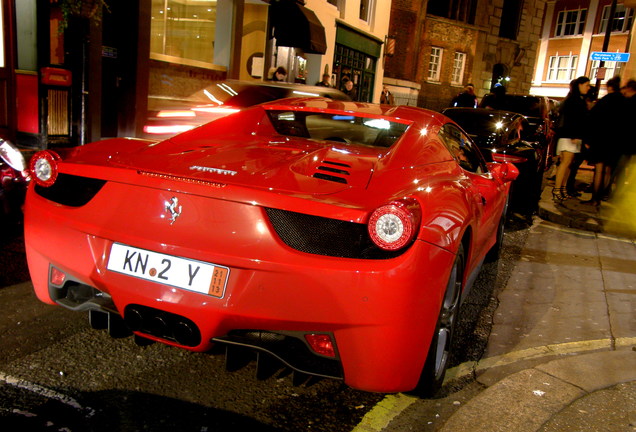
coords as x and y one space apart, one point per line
150 321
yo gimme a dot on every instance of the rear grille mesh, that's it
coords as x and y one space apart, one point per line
71 190
324 236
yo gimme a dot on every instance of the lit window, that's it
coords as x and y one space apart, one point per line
562 68
623 19
435 64
571 22
459 61
183 30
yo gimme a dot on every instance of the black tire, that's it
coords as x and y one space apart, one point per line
439 352
494 253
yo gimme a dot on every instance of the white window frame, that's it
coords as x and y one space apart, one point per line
561 68
625 15
369 10
459 62
435 63
570 22
611 69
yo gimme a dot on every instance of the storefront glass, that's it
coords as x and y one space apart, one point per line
183 30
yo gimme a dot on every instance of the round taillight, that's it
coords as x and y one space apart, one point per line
44 167
394 225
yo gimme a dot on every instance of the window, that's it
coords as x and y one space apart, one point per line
435 64
356 66
623 18
571 23
611 69
458 10
562 68
510 19
365 10
462 149
457 77
181 30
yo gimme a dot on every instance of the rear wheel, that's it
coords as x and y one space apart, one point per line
495 251
440 350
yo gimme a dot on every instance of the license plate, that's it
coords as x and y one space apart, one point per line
191 275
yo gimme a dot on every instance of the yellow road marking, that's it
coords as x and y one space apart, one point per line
392 405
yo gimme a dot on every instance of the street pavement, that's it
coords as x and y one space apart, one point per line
561 355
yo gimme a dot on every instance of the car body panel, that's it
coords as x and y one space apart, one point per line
380 311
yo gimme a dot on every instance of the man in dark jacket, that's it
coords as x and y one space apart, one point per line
466 98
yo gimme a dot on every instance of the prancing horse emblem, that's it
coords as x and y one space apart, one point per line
174 209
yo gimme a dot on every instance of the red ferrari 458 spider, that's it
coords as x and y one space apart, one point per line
337 237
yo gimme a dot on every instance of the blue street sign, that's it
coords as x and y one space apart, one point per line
610 56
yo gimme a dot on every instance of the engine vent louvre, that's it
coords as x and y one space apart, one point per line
333 171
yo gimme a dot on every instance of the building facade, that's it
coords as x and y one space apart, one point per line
441 46
572 32
72 78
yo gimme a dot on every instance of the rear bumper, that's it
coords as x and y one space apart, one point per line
380 313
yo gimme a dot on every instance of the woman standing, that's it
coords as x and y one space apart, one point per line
570 132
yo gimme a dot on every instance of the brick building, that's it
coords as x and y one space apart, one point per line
573 30
441 46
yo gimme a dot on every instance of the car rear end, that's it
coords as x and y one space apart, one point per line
217 257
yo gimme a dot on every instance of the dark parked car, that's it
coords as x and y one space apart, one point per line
13 182
168 117
537 112
504 136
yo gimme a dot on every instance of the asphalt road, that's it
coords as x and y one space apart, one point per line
58 374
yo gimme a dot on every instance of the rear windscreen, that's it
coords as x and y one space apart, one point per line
344 128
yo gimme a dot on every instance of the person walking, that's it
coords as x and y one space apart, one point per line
326 81
605 140
571 129
467 98
349 89
386 97
628 146
280 74
496 99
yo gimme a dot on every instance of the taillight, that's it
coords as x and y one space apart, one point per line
503 157
394 225
44 167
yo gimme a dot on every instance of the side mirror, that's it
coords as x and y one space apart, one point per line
504 172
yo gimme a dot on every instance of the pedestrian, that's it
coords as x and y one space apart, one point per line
628 148
571 129
349 89
579 158
496 99
606 138
280 74
326 81
386 97
467 98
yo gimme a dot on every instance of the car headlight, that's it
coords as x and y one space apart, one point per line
394 225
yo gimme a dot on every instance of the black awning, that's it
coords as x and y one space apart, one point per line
296 26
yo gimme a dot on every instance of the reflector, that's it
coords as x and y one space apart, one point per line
321 344
57 276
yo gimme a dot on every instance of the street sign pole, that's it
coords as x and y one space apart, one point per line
608 32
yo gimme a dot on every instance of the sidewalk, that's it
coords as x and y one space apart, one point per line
571 365
561 355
